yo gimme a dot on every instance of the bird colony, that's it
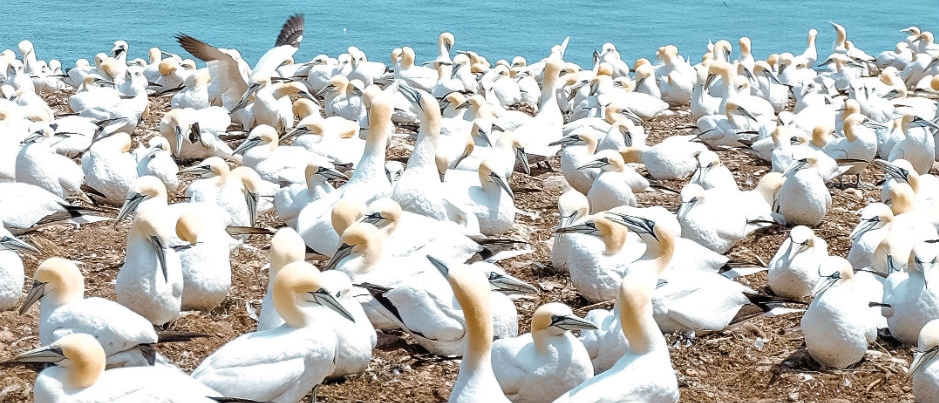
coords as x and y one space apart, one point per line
290 160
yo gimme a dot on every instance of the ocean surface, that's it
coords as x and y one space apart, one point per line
68 30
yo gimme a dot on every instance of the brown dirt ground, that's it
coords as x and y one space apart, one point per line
763 360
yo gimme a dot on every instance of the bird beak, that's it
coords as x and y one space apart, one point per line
571 322
323 298
157 244
130 206
864 226
44 354
582 228
920 122
922 360
15 244
597 163
342 252
179 139
247 145
522 157
34 295
824 283
499 180
796 165
508 284
373 218
198 170
251 199
635 224
245 99
566 141
685 207
330 173
440 266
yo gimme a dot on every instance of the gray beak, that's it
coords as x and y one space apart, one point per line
323 298
34 295
330 173
498 179
179 139
864 226
157 245
44 354
251 199
130 206
922 360
15 244
796 165
589 228
246 98
571 322
522 157
247 145
597 163
440 266
685 207
342 252
508 284
566 141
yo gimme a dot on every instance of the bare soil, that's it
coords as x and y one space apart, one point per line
762 360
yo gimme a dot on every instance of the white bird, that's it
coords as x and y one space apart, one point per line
25 206
538 133
492 201
645 372
193 135
125 335
793 271
11 268
151 282
579 149
368 182
709 218
712 173
615 184
286 247
913 303
36 164
288 201
286 45
572 207
83 377
240 195
280 364
673 158
836 325
358 338
803 198
925 368
109 168
597 263
276 163
204 261
540 366
157 160
476 381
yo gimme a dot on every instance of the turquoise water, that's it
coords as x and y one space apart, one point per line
69 30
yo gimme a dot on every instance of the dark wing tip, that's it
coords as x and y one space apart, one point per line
196 47
292 32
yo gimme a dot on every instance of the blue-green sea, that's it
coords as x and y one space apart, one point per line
68 30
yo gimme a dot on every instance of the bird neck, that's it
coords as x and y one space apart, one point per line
478 335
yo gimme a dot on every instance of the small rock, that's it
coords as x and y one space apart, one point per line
794 396
546 286
691 372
